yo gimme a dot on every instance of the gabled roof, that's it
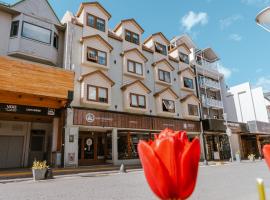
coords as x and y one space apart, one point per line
96 4
145 48
20 1
132 20
114 36
135 82
165 89
158 33
180 45
99 38
173 59
186 39
165 61
186 69
97 72
137 51
190 96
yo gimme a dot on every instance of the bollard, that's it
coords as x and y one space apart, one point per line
260 186
122 168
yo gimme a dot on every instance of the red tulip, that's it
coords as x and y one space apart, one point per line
170 164
266 153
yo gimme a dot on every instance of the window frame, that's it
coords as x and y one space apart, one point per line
164 80
95 22
33 38
97 93
168 110
197 110
159 44
131 36
11 28
137 96
134 67
183 61
96 50
189 79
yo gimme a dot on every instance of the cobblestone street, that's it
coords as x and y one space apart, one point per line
222 182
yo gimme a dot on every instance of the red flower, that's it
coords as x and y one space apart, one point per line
170 164
266 153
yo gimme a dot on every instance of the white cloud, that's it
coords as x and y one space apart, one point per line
264 82
224 70
256 2
192 19
226 22
235 37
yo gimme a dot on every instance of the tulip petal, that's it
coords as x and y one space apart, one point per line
155 172
266 153
188 165
165 151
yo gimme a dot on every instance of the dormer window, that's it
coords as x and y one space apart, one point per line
137 101
98 94
135 67
96 22
168 105
164 76
94 55
160 48
193 110
183 58
188 83
132 37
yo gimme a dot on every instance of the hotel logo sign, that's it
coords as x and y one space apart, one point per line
90 117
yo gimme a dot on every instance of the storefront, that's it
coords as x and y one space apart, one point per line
216 140
32 112
112 137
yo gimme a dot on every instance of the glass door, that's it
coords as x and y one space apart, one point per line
89 148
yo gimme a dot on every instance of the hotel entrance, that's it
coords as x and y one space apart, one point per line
92 148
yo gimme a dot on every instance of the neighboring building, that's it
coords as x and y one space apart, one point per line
267 104
34 87
249 105
126 89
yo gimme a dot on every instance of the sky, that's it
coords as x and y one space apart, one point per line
228 26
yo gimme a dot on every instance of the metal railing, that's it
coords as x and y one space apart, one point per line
205 82
208 102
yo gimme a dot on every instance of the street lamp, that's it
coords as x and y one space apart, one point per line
228 133
263 19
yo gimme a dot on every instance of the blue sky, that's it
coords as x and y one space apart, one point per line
228 26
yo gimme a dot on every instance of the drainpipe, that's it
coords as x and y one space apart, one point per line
201 124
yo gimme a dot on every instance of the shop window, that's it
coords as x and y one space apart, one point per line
164 76
98 94
137 101
94 55
128 142
132 37
188 83
14 28
183 58
160 48
96 22
168 105
193 110
135 67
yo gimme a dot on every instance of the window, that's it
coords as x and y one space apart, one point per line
96 22
168 105
98 94
160 48
37 33
188 83
94 55
164 76
183 58
135 67
55 40
193 110
132 37
14 28
137 100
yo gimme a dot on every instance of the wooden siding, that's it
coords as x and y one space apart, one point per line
29 78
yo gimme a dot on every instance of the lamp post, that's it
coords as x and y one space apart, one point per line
228 133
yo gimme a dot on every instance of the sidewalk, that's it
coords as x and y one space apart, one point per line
27 173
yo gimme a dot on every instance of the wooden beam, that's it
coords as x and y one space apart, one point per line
25 118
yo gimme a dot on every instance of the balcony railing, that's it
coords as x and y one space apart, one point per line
208 102
204 82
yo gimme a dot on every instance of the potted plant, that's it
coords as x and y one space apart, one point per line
251 157
237 156
39 169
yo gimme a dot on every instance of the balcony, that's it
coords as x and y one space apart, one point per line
211 103
208 83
